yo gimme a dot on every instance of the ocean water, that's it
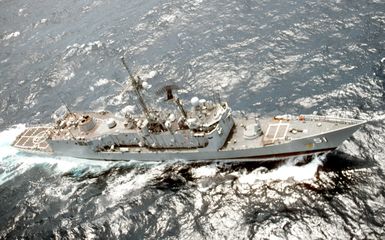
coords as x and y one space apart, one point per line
265 56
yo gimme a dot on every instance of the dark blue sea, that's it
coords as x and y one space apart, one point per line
265 56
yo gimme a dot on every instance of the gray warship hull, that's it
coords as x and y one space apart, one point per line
323 134
299 147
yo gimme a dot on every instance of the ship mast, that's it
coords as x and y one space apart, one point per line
137 87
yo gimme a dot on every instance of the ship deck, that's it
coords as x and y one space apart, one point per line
281 131
274 132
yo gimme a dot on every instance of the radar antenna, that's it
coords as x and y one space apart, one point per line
136 84
167 89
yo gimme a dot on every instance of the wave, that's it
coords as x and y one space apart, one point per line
289 170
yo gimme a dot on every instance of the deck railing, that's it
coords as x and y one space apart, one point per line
331 119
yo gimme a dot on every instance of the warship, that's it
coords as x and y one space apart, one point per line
208 131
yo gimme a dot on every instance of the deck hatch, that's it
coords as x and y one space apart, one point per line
274 132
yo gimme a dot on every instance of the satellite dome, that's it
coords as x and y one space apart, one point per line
146 85
111 123
195 101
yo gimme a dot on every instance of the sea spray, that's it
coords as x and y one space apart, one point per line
120 185
6 139
204 171
288 170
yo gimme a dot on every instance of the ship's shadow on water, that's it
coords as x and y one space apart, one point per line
339 161
340 173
